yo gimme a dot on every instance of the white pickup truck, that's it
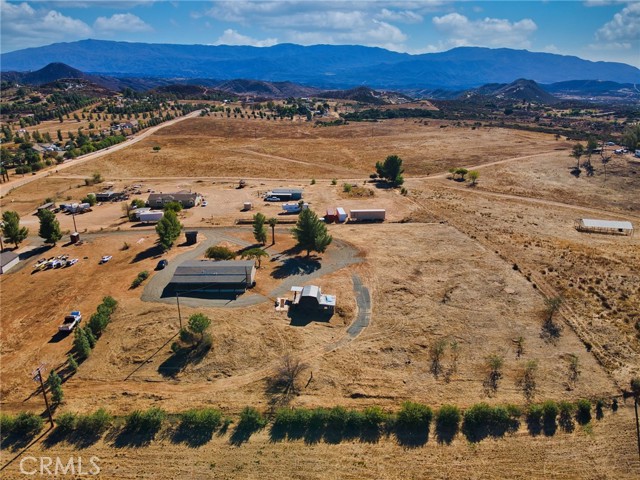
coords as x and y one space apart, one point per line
71 321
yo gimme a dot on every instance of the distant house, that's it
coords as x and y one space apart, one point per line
47 206
130 124
8 260
184 197
226 276
107 196
312 298
286 194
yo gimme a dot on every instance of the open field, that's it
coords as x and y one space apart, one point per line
466 266
218 147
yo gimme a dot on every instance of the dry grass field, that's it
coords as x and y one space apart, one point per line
219 147
466 266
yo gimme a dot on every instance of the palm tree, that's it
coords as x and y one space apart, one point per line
255 253
272 223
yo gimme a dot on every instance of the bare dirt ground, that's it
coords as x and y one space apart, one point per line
454 263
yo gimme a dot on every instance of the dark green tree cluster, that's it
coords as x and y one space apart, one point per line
11 229
49 227
311 233
168 229
391 170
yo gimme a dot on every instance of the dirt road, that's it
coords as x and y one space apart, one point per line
19 182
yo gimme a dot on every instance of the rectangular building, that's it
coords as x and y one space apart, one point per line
184 198
223 276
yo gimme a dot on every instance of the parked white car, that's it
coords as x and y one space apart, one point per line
106 258
71 321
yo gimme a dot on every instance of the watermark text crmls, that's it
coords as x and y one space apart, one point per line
60 465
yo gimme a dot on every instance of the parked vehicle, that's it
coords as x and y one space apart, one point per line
106 258
272 199
71 321
161 264
71 262
204 204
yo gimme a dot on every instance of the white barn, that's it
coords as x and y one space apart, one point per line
611 227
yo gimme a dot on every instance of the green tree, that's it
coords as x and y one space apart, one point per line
138 203
198 323
55 386
173 206
256 254
259 230
11 228
273 221
631 137
49 227
473 176
577 152
90 199
168 229
81 344
311 233
71 361
391 170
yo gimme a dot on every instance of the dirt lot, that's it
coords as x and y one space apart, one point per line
453 263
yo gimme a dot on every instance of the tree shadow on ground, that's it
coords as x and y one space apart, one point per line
124 438
241 435
296 266
446 433
177 362
192 437
151 252
33 253
409 439
58 336
79 439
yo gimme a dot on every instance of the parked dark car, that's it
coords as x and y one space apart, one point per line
161 264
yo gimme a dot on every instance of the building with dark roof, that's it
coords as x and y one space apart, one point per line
184 198
224 276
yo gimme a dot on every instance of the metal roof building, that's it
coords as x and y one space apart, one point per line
604 226
312 298
214 276
8 260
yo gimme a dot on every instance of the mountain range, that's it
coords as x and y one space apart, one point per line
321 66
60 75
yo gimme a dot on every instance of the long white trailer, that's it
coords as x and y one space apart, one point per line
368 215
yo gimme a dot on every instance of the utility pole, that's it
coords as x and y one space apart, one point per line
37 376
179 315
73 215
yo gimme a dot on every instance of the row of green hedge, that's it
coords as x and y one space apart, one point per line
411 424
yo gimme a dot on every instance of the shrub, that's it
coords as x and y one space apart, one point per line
565 418
172 206
55 386
71 361
313 181
220 253
142 276
110 303
148 422
447 423
477 420
205 419
27 424
334 181
251 420
91 338
374 418
94 423
337 419
549 414
414 418
534 419
7 424
98 323
346 187
583 411
66 422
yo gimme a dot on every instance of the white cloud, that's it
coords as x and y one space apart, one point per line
403 16
623 28
23 26
489 32
121 22
232 37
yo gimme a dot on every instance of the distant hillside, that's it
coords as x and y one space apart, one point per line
520 90
266 89
366 95
595 90
322 66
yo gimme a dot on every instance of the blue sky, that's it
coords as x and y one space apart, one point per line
592 29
